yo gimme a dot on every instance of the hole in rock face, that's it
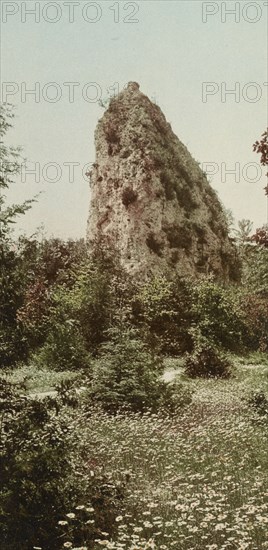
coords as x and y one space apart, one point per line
174 256
153 244
129 196
125 154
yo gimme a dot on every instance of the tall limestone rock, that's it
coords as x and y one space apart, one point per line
151 199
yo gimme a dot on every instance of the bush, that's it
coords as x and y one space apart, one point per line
13 345
207 362
101 292
162 309
126 375
179 236
175 397
255 311
259 402
64 349
43 476
35 469
218 314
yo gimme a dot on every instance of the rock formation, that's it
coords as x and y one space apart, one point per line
151 199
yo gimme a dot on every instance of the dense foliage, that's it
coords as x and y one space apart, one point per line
12 275
34 470
207 362
40 474
261 147
126 374
81 465
59 312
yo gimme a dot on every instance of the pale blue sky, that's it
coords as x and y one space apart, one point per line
170 51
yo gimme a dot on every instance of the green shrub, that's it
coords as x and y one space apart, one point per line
101 294
64 349
207 362
185 197
179 236
13 344
35 469
255 313
162 310
259 402
175 397
43 477
218 314
127 374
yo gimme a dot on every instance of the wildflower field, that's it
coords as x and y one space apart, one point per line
195 480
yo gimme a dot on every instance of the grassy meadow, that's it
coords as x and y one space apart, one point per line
194 480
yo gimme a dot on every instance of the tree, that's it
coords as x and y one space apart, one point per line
217 316
47 266
261 147
10 167
162 311
255 269
127 373
261 236
229 219
12 344
244 231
